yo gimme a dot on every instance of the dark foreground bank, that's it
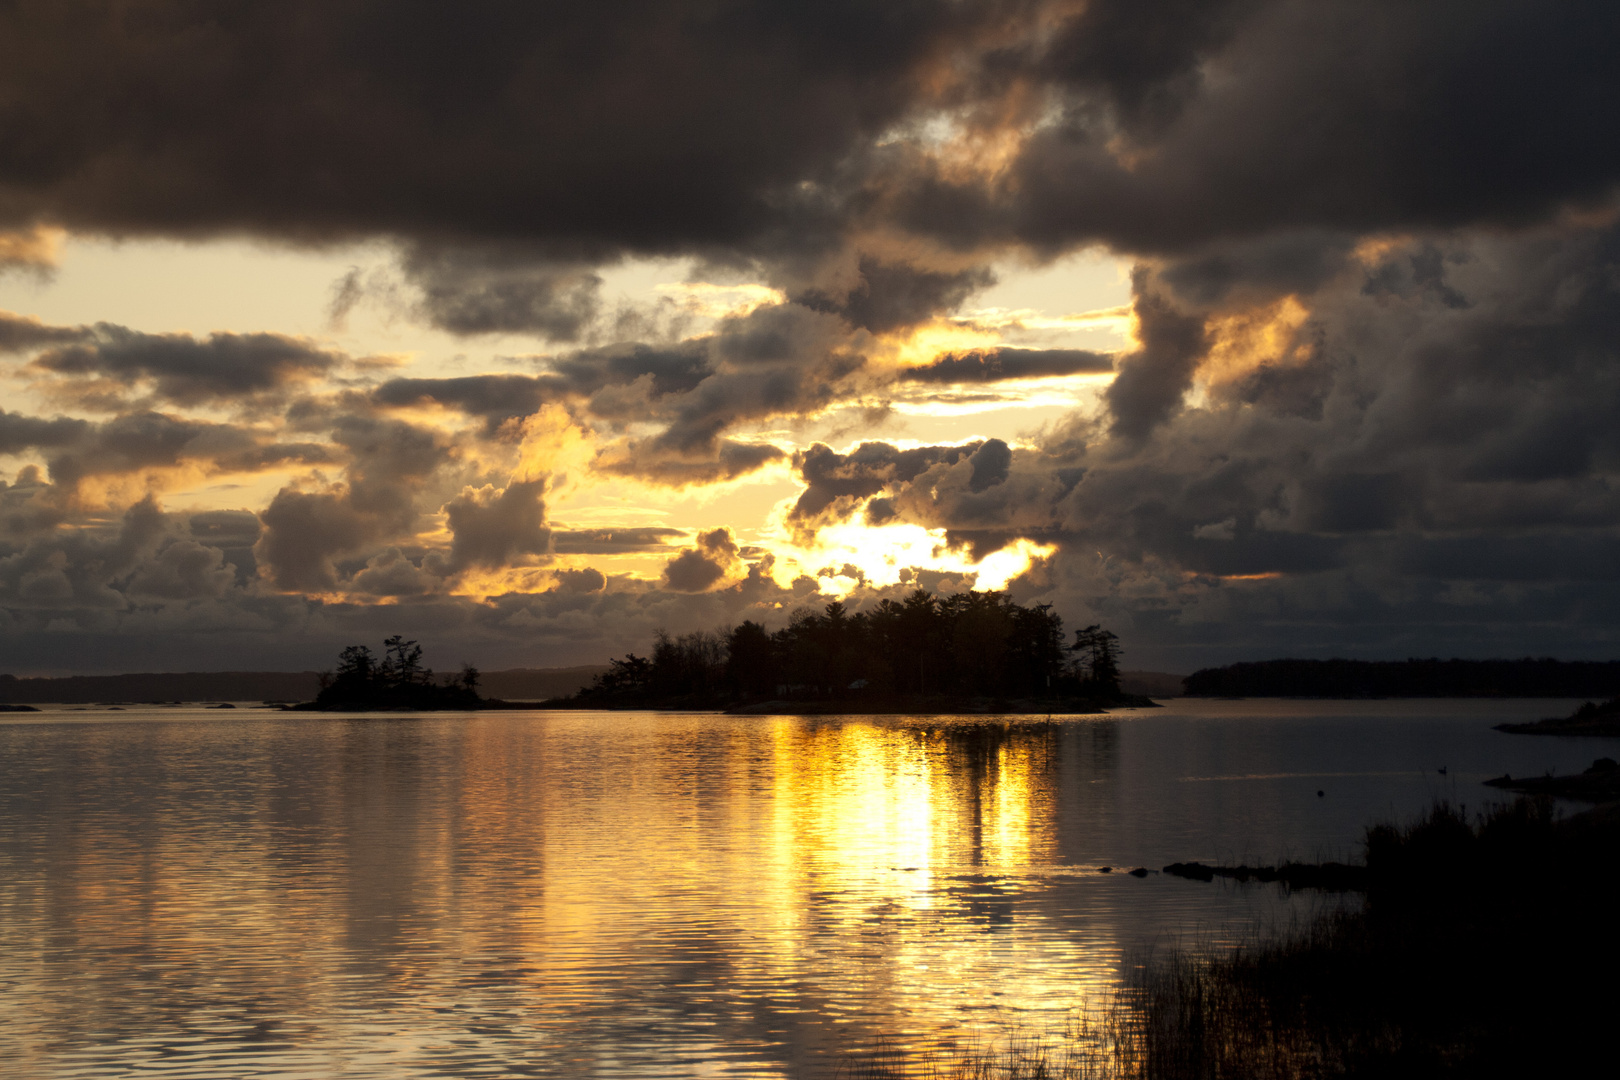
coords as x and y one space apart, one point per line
1485 948
1592 718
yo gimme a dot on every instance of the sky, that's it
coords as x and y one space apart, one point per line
1246 328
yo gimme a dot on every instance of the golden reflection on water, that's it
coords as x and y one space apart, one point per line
569 894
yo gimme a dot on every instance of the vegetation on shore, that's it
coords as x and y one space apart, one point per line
1407 678
965 652
1600 783
1591 718
1484 948
397 680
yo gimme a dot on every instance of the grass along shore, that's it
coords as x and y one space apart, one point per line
1485 947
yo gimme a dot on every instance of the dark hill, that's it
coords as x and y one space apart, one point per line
516 684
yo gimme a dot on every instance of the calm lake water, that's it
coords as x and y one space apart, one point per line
230 894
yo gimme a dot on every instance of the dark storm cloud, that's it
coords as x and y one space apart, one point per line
495 290
19 432
643 125
22 334
1406 456
834 482
495 398
389 463
612 541
305 533
1153 379
515 147
84 568
492 529
588 580
153 440
889 296
991 365
671 369
654 461
226 528
704 566
1252 118
1428 462
188 370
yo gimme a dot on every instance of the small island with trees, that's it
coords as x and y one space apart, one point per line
972 652
396 681
965 653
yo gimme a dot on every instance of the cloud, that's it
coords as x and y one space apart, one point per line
611 541
494 398
703 567
835 482
19 432
670 369
491 528
991 365
494 290
32 250
466 122
893 296
392 573
304 534
1369 405
188 370
183 570
20 333
587 580
1153 379
652 460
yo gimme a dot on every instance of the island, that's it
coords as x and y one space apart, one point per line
395 682
970 652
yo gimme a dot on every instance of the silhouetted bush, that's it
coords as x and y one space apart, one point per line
1485 948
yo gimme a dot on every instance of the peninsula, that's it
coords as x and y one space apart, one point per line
1591 718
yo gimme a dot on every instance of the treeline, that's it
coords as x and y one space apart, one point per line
162 687
397 679
968 645
1408 678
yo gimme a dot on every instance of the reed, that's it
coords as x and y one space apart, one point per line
1486 947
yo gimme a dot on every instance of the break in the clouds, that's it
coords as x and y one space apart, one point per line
1365 405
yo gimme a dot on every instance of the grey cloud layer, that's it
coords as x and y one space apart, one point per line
1427 463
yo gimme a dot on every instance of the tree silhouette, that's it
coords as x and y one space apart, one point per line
399 680
1097 651
971 644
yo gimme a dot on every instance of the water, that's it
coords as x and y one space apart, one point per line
230 894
